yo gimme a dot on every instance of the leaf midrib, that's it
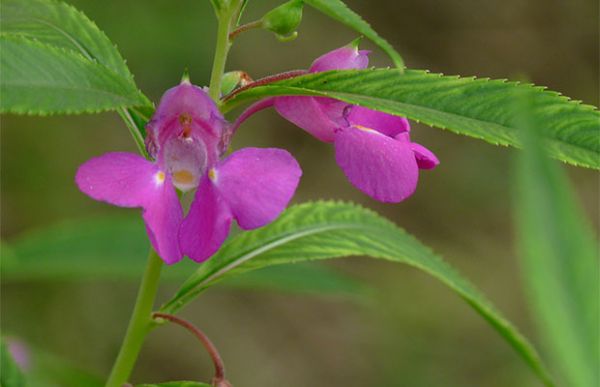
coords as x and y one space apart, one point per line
273 243
480 122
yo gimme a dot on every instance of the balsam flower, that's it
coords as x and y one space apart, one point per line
372 148
186 139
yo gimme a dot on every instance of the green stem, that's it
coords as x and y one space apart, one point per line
139 325
223 44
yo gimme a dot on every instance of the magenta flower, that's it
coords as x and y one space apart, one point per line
186 138
372 148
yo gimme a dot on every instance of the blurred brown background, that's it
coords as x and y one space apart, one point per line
412 331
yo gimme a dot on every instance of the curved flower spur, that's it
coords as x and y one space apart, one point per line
186 142
373 148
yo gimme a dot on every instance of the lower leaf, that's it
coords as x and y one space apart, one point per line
323 230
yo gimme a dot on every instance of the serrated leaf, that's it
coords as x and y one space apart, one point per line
62 26
560 265
479 108
59 24
339 11
325 230
65 83
113 248
10 374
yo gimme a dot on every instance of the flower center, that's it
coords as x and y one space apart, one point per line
185 119
183 177
186 160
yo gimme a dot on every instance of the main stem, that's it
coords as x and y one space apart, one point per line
226 19
141 319
139 325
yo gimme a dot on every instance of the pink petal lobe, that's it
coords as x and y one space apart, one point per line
122 179
387 124
163 216
129 180
307 113
343 58
378 165
425 158
257 184
207 224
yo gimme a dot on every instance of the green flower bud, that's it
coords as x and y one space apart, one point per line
284 20
233 80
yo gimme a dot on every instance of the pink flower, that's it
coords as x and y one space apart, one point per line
373 148
186 138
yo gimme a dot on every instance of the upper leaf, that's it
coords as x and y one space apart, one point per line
559 258
339 11
59 24
60 30
328 230
38 78
480 108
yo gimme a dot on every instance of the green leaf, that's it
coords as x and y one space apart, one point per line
559 259
176 384
10 374
479 108
78 250
339 11
61 27
65 83
325 230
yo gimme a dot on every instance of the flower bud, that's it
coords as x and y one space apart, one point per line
233 80
284 20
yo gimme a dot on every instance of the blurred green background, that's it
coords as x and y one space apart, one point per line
411 331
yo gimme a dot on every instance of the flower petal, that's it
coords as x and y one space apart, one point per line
308 114
378 165
122 179
207 224
344 58
387 124
186 110
163 216
425 158
129 180
257 184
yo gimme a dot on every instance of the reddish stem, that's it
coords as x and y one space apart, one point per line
265 81
219 378
245 27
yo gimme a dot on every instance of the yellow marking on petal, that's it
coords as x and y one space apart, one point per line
212 174
159 177
183 177
368 130
364 128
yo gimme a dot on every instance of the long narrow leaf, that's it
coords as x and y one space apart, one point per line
479 108
325 230
560 265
